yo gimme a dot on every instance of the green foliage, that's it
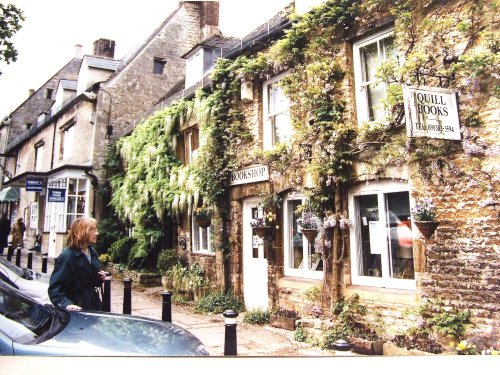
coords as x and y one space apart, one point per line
257 316
452 323
11 18
110 231
300 334
313 294
217 303
167 259
119 250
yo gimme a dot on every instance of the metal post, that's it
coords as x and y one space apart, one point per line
166 311
30 261
106 293
45 258
127 296
18 257
230 342
9 253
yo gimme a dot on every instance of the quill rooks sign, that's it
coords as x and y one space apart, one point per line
431 112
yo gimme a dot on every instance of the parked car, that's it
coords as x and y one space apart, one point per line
32 283
28 327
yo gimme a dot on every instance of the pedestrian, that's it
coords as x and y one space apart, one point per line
17 232
77 277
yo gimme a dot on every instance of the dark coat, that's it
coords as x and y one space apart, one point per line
74 280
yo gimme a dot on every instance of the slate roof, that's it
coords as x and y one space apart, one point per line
102 63
69 85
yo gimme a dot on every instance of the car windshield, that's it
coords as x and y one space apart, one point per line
22 319
18 271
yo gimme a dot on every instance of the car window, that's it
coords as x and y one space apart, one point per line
22 320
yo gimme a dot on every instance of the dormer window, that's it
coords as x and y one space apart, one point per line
159 66
41 117
49 93
199 61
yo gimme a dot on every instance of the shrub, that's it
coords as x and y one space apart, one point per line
300 334
257 317
167 259
217 303
119 251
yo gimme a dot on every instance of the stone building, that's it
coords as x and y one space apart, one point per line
57 139
355 120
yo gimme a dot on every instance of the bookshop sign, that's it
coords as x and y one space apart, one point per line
431 112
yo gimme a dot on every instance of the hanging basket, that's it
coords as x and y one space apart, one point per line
203 223
310 234
261 231
427 228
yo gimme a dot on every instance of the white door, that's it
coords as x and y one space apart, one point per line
254 261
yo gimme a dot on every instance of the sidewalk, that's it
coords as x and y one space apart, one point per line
252 340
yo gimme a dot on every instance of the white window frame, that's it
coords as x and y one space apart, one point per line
379 188
194 67
287 238
39 157
362 109
197 232
268 130
67 140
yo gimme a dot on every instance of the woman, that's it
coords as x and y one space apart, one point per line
77 274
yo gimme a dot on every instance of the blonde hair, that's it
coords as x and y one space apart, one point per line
78 235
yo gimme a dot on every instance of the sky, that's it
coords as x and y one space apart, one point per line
52 28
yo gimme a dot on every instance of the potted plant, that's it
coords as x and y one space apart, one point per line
203 216
261 225
309 224
424 216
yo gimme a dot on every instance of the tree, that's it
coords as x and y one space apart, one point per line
10 23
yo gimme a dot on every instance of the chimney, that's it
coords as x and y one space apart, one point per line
104 48
31 92
209 19
78 51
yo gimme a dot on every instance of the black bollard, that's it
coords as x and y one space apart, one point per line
18 257
30 261
45 259
230 342
9 253
166 311
106 293
127 296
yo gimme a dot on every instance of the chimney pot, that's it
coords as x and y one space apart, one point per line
31 92
78 51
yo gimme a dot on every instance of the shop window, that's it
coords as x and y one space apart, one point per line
277 127
201 238
381 236
369 54
301 258
77 192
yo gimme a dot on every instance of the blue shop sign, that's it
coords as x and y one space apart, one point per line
57 195
34 184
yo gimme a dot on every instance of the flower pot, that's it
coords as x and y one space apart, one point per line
427 228
261 231
203 223
310 234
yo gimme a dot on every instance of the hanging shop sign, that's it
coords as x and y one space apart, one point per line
57 195
34 184
431 112
247 175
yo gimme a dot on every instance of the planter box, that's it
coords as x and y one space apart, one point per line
362 346
282 322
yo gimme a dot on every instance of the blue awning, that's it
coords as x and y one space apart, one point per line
9 194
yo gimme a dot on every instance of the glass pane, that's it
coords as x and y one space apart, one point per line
370 62
69 220
80 207
372 236
282 128
400 236
196 236
71 205
82 186
255 238
388 48
376 93
204 238
296 238
72 186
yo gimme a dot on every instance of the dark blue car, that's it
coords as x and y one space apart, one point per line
28 327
